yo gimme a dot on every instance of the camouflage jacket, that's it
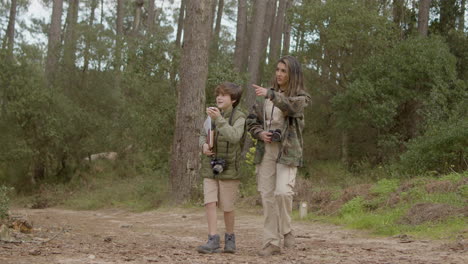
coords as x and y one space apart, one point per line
292 143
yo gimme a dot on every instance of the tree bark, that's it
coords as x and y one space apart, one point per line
423 17
137 18
255 51
118 43
448 15
217 30
287 31
180 23
151 16
69 54
54 41
275 44
240 48
345 148
185 158
461 20
10 33
267 32
94 4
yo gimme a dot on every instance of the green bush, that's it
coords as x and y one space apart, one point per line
354 206
385 186
443 148
4 201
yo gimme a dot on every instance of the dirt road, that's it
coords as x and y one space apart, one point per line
171 236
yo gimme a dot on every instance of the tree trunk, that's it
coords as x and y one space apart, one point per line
151 16
118 43
461 18
423 17
255 51
398 8
240 48
275 44
69 54
180 23
54 41
185 159
448 15
137 18
94 4
10 33
287 31
99 35
345 148
267 32
217 30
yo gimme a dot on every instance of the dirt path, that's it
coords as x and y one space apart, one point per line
171 236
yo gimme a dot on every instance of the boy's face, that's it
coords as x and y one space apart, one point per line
224 101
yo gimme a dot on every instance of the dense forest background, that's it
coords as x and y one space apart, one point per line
389 82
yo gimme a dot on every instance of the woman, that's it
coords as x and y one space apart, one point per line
277 121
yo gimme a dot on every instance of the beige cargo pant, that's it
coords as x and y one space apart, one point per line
275 184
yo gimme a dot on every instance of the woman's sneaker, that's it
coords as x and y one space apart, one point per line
212 246
229 243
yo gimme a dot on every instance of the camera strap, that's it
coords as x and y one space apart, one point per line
217 134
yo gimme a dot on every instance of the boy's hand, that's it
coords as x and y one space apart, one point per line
206 150
213 112
265 136
260 91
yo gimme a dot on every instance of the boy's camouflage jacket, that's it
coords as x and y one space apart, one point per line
291 144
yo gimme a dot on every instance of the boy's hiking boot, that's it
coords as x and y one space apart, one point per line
269 250
212 246
229 243
289 240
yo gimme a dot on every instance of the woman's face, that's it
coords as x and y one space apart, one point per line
282 76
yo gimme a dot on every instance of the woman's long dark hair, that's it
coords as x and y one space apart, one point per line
296 79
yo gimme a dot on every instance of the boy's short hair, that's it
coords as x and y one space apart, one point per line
234 90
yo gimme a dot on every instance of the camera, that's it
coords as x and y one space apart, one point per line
275 135
218 165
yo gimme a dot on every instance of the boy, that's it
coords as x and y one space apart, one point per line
220 165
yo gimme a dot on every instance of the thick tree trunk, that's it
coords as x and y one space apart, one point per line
118 43
180 23
54 41
275 44
240 48
69 55
185 158
423 16
10 33
267 32
255 51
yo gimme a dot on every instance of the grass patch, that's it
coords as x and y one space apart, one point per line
104 185
384 208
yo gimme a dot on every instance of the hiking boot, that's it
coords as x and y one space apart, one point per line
212 246
289 240
229 243
269 250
